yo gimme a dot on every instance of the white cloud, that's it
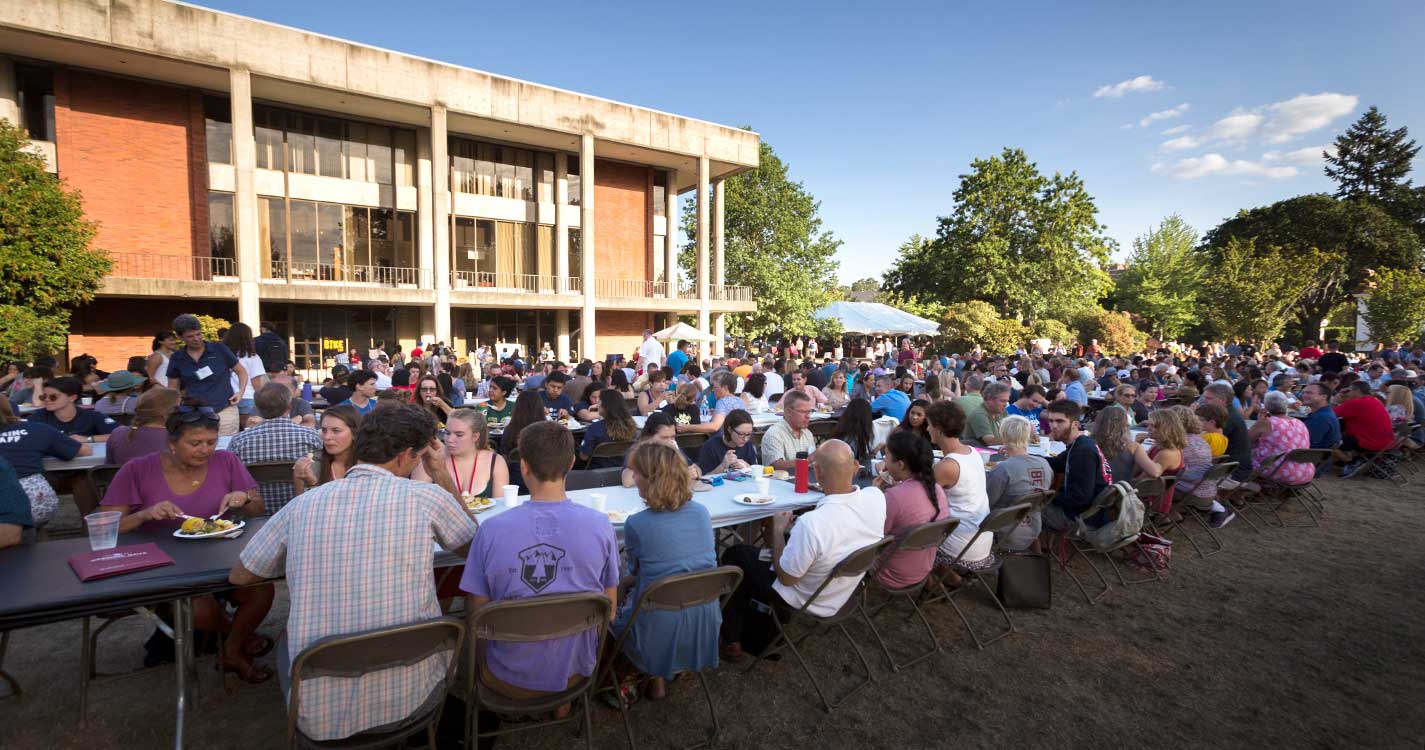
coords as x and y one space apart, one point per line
1166 114
1302 157
1196 167
1132 85
1234 128
1305 113
1177 130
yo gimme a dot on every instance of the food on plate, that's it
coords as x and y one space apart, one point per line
755 499
617 516
200 526
477 504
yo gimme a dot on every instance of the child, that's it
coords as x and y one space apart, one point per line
1212 418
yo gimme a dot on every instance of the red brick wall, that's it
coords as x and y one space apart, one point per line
623 216
112 330
621 331
136 152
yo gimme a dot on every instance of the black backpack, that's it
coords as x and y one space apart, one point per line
272 350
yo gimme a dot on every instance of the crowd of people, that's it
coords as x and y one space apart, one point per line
403 444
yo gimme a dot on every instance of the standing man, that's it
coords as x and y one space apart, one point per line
650 352
271 349
1333 360
201 370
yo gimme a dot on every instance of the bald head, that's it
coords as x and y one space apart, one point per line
836 467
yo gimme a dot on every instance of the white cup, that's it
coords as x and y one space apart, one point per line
755 470
599 501
103 529
511 493
764 486
87 401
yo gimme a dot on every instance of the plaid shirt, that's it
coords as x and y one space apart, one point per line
275 440
357 554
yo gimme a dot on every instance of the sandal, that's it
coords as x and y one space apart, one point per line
252 674
266 644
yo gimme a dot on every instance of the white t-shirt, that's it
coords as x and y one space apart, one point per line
774 384
254 366
821 538
650 354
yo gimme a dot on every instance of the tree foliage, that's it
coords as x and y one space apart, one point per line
966 326
1164 278
1373 162
1048 328
1252 289
211 325
1114 331
46 263
1395 310
1028 245
776 245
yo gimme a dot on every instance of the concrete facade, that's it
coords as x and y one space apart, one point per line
131 79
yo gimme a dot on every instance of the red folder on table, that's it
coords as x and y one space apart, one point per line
90 566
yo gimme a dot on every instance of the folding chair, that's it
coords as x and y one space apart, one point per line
587 479
673 594
822 430
853 565
529 620
922 537
691 442
1182 506
271 472
608 449
358 654
997 523
1307 494
1069 542
1384 464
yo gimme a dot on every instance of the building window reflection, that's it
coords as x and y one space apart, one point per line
305 143
333 242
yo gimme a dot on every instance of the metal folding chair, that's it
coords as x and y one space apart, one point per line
587 479
1384 464
673 594
999 524
853 565
922 537
357 654
1069 543
608 449
529 620
1181 506
1280 493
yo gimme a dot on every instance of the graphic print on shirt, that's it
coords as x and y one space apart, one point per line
539 566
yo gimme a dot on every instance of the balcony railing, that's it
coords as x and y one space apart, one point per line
730 293
387 276
176 267
637 288
492 281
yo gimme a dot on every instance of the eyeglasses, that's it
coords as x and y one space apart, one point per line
742 433
49 397
188 414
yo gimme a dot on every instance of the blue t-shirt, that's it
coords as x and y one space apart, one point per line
712 451
562 402
1323 427
1075 392
677 360
85 422
539 549
1031 414
26 444
362 410
212 387
14 503
892 403
727 404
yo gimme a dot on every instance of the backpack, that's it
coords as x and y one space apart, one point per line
272 350
1126 525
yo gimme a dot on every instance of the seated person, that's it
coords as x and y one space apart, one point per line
363 392
376 510
1365 426
846 520
25 445
889 402
785 439
118 393
277 438
653 398
672 536
1083 468
799 383
616 426
683 406
1275 435
216 482
659 427
1016 475
62 412
912 498
548 532
587 411
555 399
1322 425
1212 417
982 421
15 518
1030 403
731 448
501 405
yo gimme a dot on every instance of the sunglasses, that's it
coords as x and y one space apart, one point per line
188 414
50 397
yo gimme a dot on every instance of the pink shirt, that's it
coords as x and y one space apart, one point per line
906 507
140 484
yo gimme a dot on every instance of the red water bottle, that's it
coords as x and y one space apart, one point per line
803 471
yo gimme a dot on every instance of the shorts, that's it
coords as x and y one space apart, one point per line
228 421
246 406
43 500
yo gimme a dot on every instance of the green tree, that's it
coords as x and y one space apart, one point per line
869 287
1048 328
46 264
1252 289
1357 236
1029 245
968 325
1373 162
211 325
1164 278
1395 309
776 245
1114 331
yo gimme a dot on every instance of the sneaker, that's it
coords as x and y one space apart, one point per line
1350 469
1221 518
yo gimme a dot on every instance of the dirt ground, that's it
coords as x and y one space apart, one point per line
1295 638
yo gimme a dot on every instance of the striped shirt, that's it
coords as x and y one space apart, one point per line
275 440
357 556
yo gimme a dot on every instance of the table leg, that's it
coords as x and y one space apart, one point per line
183 663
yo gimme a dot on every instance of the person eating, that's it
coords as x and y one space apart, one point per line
476 469
731 448
339 424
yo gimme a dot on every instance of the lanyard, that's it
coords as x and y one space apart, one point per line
455 474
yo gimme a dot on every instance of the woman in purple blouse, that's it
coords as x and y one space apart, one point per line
194 478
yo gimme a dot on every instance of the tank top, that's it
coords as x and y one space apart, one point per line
161 377
466 485
968 502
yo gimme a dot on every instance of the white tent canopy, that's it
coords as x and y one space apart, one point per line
683 332
876 318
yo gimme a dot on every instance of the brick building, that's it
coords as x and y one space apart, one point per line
350 194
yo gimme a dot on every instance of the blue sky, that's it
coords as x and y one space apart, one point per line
878 107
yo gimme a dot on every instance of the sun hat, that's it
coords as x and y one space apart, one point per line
122 380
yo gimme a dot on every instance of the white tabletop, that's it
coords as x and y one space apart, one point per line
96 457
719 501
759 421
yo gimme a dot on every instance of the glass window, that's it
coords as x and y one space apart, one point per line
358 241
272 234
378 154
268 127
220 225
576 185
485 169
404 143
462 166
302 144
383 229
355 147
304 240
485 245
329 140
405 239
505 178
332 251
576 253
544 170
217 120
660 193
35 98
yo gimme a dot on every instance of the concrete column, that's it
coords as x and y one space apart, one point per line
670 234
704 312
719 222
249 260
425 209
561 235
586 242
9 95
440 234
561 335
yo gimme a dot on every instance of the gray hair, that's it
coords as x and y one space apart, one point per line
1015 431
185 322
1276 402
726 379
995 390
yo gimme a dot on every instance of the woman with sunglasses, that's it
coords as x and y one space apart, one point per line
431 396
194 478
62 412
731 447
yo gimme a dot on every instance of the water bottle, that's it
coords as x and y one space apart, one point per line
803 472
307 391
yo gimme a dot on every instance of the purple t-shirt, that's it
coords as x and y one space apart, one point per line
140 484
128 443
540 549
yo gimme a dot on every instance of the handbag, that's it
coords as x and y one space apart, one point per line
1024 581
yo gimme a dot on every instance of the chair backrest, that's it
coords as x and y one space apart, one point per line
686 590
1218 472
927 535
1035 500
853 565
1308 455
126 420
271 471
611 449
540 618
1151 487
101 477
588 479
1005 519
691 441
822 429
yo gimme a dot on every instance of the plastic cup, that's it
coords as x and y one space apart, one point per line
511 493
764 486
599 501
103 529
755 470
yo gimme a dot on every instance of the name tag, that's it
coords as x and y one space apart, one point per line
204 372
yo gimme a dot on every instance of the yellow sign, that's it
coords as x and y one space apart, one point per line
334 344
